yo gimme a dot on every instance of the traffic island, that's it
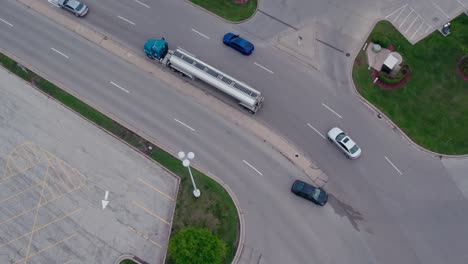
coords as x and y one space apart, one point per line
215 210
431 107
230 10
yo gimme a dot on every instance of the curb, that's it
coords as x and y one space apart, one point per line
385 117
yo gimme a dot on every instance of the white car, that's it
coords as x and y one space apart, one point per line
74 6
345 143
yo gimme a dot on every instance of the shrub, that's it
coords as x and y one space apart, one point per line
196 246
386 78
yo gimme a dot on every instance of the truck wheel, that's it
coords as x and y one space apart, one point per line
150 56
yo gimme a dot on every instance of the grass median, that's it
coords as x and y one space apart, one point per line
213 210
229 9
432 107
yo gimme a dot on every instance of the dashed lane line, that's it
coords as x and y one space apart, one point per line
201 34
263 67
182 123
252 167
60 53
126 20
393 165
316 130
331 110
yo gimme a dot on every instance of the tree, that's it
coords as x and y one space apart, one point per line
193 245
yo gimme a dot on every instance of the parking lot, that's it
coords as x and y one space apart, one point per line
416 19
56 169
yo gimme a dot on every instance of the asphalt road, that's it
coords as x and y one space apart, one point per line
394 204
274 217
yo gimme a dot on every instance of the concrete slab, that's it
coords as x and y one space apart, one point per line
55 170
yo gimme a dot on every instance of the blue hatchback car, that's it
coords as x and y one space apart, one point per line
238 43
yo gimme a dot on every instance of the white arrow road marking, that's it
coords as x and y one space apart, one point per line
316 130
60 53
391 163
105 202
6 22
248 164
331 110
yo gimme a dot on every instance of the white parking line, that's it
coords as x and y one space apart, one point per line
438 7
399 9
145 5
201 34
411 24
331 110
121 88
461 3
248 164
124 19
393 166
263 67
60 53
6 22
404 20
316 130
182 123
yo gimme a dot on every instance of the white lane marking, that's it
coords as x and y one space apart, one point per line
263 67
438 7
253 168
391 163
201 34
60 53
331 110
461 3
316 130
6 22
145 5
124 19
121 88
182 123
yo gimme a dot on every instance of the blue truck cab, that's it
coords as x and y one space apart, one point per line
156 48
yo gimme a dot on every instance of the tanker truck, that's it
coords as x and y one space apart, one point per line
188 65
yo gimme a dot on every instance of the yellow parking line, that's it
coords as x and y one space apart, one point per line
29 210
144 236
46 248
151 213
41 227
19 193
66 174
156 189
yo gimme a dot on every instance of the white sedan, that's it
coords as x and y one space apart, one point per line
345 143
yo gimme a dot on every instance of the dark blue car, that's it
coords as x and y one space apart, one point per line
238 43
309 192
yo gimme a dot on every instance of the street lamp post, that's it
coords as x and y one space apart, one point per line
186 163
